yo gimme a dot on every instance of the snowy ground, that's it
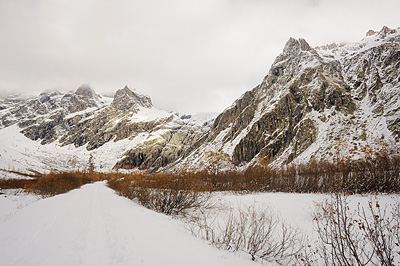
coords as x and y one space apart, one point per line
94 226
297 209
13 200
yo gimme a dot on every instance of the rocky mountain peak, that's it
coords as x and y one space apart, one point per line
311 102
81 99
385 31
294 46
125 99
86 91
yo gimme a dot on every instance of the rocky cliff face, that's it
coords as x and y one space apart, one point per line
311 101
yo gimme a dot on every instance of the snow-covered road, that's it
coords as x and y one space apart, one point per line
94 226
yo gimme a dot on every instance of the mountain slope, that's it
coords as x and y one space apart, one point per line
311 102
78 129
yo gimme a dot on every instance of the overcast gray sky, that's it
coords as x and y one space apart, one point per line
189 56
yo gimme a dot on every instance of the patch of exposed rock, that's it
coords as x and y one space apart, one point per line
125 99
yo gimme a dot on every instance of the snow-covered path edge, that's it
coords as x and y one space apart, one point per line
94 226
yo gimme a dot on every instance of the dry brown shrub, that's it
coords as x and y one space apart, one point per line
15 183
57 183
168 194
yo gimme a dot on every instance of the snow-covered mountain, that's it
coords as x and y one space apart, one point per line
72 130
312 103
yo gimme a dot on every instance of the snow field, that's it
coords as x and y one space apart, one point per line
297 209
94 226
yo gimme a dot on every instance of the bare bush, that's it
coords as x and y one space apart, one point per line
169 201
381 230
340 240
163 194
362 236
256 231
396 222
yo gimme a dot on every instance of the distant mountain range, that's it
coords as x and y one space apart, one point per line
312 103
66 130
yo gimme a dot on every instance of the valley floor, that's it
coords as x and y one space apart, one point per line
94 226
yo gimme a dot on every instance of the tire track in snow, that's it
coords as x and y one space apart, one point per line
96 234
